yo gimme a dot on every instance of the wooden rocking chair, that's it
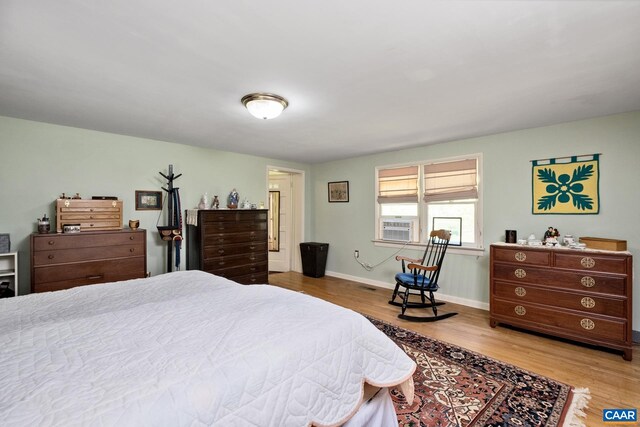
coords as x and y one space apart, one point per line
422 277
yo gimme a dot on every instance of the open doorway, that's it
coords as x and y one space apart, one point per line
286 218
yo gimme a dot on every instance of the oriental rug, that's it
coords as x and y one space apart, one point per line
458 387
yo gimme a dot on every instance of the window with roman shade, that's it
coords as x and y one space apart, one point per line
398 185
456 180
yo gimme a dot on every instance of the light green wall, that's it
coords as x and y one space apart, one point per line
41 161
507 198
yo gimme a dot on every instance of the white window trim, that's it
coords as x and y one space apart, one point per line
422 214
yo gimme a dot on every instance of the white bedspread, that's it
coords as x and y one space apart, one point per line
187 349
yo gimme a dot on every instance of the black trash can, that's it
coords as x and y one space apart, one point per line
314 258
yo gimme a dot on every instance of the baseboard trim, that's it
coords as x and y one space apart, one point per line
386 285
635 337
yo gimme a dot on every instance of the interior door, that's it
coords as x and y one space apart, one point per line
280 258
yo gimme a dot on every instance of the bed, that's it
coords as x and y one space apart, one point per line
190 348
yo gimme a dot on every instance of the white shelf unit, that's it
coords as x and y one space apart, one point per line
9 270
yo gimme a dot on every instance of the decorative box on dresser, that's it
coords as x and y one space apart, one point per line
89 214
230 243
582 295
65 260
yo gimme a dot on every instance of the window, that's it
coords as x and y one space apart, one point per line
449 188
398 185
398 202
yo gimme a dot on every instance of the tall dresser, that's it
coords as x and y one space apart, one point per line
62 261
230 243
582 295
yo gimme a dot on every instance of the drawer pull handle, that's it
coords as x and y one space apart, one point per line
520 291
520 310
91 210
587 324
51 257
90 225
588 302
520 273
252 258
220 251
51 242
252 247
588 282
588 262
221 263
131 237
132 249
99 276
253 269
520 256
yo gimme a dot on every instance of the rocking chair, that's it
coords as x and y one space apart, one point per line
422 277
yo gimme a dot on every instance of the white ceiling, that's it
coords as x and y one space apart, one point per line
361 76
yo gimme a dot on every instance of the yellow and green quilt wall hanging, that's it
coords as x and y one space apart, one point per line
566 185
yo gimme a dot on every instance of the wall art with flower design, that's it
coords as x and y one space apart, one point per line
566 185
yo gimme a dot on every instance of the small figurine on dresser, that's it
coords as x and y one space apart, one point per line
216 203
204 201
551 236
232 200
44 225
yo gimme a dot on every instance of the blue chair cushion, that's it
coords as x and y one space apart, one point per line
408 279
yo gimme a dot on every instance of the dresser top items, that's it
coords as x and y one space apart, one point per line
88 214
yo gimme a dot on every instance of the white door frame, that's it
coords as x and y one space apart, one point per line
297 212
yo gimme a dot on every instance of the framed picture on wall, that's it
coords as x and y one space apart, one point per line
148 200
339 191
451 223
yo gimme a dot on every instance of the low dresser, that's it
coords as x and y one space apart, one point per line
62 261
581 295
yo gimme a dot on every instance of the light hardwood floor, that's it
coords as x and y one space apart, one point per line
612 381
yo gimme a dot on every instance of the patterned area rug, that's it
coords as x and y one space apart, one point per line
457 387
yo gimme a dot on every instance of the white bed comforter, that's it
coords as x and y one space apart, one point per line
187 349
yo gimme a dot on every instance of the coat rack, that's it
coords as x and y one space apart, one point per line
172 232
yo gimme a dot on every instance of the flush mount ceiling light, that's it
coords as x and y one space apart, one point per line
264 105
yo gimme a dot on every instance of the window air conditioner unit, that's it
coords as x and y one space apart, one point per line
397 229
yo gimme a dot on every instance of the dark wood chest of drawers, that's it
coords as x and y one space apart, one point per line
62 261
230 243
582 295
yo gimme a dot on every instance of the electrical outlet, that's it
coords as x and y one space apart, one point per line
356 253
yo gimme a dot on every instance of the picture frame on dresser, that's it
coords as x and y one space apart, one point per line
148 200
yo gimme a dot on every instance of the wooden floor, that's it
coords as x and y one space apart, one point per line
613 382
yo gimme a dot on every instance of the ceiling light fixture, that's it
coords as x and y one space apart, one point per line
264 105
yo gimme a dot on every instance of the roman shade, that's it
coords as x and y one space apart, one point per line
455 180
398 185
